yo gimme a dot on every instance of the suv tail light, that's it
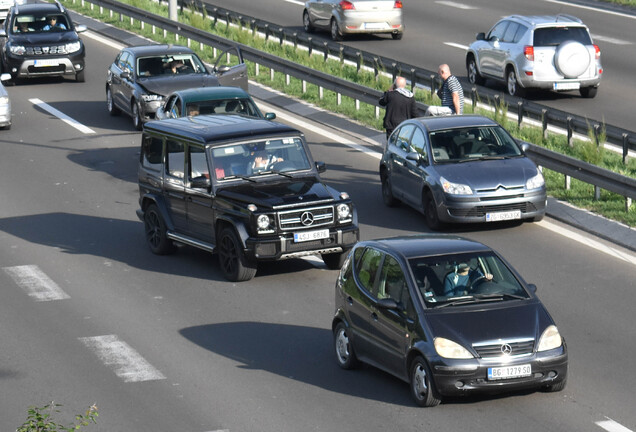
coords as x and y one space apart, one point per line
397 4
597 52
528 51
346 5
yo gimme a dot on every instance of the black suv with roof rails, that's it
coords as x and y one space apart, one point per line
246 189
40 39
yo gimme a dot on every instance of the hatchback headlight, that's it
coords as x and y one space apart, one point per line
455 188
73 47
151 97
452 350
550 339
535 182
344 212
17 49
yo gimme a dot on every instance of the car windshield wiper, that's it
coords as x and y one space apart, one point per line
238 177
275 172
459 300
500 296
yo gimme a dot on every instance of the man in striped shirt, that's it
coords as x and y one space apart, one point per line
451 94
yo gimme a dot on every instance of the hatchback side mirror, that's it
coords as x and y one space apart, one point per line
414 156
532 288
387 303
124 75
321 167
480 36
270 116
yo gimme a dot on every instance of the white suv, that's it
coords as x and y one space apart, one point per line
547 52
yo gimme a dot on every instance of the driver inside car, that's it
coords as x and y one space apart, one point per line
458 282
263 161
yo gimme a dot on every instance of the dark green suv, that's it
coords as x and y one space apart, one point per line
246 189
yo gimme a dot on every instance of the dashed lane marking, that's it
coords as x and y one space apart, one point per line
456 5
59 114
612 426
127 363
36 283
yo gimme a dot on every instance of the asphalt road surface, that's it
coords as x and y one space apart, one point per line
89 315
440 31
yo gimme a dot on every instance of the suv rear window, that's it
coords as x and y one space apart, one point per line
554 36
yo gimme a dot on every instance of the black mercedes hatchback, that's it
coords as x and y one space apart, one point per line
446 314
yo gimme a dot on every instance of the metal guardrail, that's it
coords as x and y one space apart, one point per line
570 167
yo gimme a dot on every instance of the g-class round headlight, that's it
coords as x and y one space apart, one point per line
263 222
344 212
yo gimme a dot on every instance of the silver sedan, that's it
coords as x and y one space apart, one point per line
342 17
5 104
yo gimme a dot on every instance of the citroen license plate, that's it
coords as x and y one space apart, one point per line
311 235
46 63
507 372
503 216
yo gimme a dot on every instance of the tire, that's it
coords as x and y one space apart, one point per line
387 194
473 73
555 387
335 31
588 92
430 212
80 76
309 27
156 232
110 103
334 261
232 260
397 36
345 355
421 386
136 116
512 84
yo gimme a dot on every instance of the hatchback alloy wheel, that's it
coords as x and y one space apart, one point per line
344 350
421 384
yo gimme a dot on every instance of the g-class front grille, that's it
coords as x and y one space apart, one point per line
305 218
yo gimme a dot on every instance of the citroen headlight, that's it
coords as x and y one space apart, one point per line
550 339
452 350
73 47
535 182
455 188
17 49
344 212
151 97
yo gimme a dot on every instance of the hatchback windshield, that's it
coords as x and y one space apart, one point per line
465 278
464 144
257 158
169 65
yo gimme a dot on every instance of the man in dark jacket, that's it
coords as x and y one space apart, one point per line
399 103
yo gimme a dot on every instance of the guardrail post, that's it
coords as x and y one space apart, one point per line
357 105
304 86
597 193
628 203
143 24
376 69
413 78
281 36
325 46
519 114
121 17
213 52
544 123
394 73
473 97
339 99
568 122
216 17
132 21
341 55
110 13
165 33
377 112
266 32
310 45
496 103
257 68
568 182
154 29
432 84
253 27
320 92
101 9
597 128
227 22
287 79
271 74
295 36
359 63
625 148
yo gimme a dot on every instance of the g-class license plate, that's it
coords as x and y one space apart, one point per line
311 235
567 86
507 372
503 216
46 63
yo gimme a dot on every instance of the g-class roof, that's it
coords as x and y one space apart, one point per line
208 129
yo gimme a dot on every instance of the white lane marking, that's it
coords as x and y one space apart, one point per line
36 283
610 40
588 242
456 45
320 131
103 40
611 426
59 114
609 12
127 363
456 5
299 3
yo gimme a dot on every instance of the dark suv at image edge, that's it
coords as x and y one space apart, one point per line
40 39
244 188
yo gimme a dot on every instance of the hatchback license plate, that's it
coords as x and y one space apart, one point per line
46 63
567 86
375 26
507 372
311 235
503 216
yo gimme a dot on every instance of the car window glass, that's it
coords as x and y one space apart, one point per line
151 150
471 143
498 30
121 62
228 58
511 30
519 34
392 282
197 163
553 36
418 142
404 137
175 158
367 270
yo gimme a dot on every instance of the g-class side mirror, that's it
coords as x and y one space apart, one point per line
321 167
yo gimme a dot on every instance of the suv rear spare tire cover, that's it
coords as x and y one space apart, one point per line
572 59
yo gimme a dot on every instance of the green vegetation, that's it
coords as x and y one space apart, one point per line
579 194
40 419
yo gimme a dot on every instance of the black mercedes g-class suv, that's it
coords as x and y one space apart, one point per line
246 189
